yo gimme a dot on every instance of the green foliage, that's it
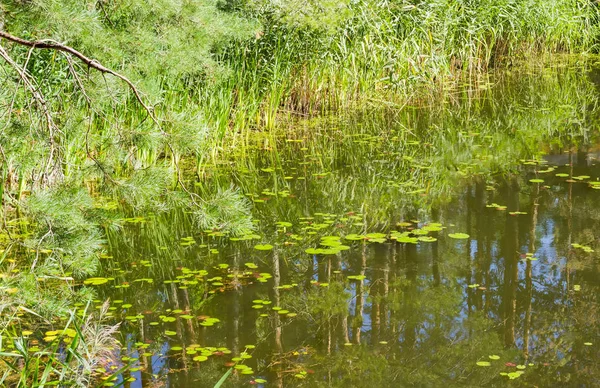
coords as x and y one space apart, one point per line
63 226
227 210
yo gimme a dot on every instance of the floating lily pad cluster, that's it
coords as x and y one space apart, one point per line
332 244
494 205
585 248
529 257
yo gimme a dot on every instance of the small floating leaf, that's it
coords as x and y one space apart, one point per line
483 363
263 247
458 235
357 277
95 281
514 375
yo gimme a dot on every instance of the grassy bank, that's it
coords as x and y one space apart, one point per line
386 52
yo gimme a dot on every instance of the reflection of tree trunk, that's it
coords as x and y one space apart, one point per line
569 225
344 318
393 268
276 283
328 323
468 251
360 303
277 299
146 360
511 268
188 308
410 332
480 226
435 268
375 311
235 309
179 328
489 239
528 275
310 271
383 295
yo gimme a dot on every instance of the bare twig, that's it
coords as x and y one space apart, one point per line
106 16
77 80
37 95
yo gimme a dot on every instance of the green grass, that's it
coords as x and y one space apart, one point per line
72 355
391 50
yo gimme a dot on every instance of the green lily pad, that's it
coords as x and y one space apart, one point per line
263 247
95 281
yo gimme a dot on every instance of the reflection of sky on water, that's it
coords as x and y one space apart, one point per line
459 263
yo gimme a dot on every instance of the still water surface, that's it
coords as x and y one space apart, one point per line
450 244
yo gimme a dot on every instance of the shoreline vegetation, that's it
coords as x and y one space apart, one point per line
197 82
203 73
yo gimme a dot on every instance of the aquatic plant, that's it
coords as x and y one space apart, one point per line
70 355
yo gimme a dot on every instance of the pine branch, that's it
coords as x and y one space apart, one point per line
94 64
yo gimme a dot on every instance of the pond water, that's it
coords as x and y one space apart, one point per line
450 243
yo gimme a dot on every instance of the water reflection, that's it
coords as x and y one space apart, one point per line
415 314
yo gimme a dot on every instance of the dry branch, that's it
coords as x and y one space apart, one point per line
90 62
37 96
